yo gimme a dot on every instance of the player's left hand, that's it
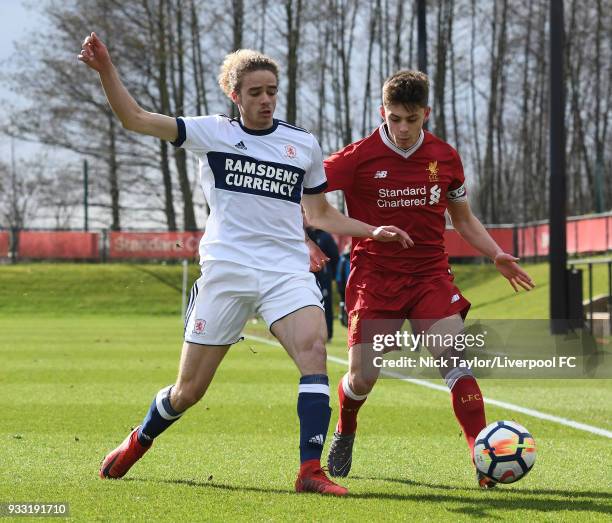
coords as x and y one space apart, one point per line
507 266
390 233
317 257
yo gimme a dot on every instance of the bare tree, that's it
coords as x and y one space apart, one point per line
473 104
491 175
599 128
177 70
526 139
75 118
399 20
344 13
445 20
500 202
492 83
201 99
237 32
453 67
60 194
367 95
322 67
293 11
161 102
19 184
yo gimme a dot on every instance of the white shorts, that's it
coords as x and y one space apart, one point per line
227 295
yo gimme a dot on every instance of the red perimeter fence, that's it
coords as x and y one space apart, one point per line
584 235
4 244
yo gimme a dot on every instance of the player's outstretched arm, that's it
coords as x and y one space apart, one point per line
133 117
322 215
472 231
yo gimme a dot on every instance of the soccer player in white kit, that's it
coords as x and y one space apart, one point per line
255 172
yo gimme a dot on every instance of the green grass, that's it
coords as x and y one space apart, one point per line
88 346
76 289
130 289
493 297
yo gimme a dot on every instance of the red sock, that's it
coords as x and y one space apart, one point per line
349 407
469 408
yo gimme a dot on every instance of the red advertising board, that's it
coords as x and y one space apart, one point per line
571 236
158 245
533 240
58 245
4 244
542 239
592 235
584 235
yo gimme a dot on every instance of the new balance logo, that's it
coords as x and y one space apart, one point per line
380 174
317 440
240 145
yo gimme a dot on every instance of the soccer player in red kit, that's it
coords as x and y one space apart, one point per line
405 175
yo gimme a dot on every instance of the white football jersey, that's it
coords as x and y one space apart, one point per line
253 182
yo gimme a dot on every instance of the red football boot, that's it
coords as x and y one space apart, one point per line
484 481
312 478
119 461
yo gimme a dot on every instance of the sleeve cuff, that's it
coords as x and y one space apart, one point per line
182 133
316 190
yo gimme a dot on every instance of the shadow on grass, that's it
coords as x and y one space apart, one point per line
169 282
501 489
474 502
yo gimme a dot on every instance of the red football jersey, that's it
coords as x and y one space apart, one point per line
386 185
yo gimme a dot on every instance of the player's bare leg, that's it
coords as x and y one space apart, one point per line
466 397
196 370
303 334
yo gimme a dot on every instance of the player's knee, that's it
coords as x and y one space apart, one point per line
185 396
317 351
312 353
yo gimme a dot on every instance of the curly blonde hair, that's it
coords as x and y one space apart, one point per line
237 64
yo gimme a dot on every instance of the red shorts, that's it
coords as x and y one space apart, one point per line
374 295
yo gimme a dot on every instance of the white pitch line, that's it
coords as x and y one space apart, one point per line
490 401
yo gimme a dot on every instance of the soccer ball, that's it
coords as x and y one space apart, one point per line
504 451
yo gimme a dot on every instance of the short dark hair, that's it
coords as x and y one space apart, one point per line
407 87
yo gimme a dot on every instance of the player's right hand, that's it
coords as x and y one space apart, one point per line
390 233
317 256
94 53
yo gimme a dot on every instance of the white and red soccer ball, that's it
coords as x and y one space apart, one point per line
504 451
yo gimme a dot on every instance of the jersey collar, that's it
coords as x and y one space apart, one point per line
259 132
402 152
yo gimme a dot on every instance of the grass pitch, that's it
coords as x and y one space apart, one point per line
85 348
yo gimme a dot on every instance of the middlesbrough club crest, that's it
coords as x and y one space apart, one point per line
198 326
290 151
